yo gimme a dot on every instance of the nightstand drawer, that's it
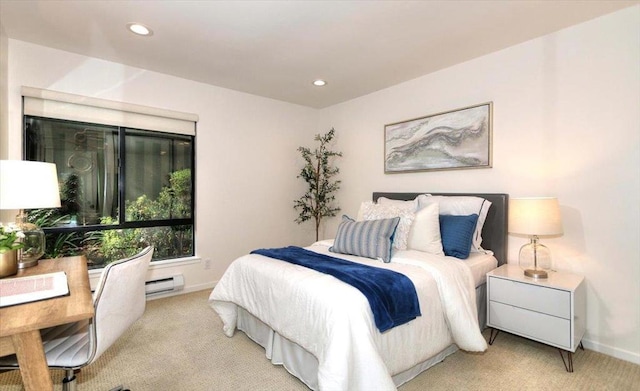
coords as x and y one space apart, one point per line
534 325
537 298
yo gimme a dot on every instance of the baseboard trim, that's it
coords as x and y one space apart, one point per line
611 351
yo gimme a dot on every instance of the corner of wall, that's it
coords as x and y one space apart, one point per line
4 94
4 109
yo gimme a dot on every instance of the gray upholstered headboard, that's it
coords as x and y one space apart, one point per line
494 232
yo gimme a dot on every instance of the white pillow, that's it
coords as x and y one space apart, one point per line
461 206
372 211
425 231
401 203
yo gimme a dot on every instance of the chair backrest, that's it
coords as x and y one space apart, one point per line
119 299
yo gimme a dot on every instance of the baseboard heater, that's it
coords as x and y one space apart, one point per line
164 285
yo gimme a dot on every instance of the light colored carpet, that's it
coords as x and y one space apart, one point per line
179 345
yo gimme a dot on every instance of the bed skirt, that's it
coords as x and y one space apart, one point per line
303 365
481 305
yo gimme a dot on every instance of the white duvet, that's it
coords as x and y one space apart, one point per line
333 321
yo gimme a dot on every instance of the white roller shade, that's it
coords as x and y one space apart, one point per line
60 105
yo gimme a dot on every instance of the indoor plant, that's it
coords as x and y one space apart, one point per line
317 202
10 236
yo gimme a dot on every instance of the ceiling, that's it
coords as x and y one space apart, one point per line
276 49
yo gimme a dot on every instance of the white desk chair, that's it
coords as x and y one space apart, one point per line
119 301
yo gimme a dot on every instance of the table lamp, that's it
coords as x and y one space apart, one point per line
535 217
28 185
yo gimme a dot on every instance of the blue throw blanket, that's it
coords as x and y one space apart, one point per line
391 295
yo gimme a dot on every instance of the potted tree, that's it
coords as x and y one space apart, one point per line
318 202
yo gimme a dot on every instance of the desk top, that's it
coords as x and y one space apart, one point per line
51 312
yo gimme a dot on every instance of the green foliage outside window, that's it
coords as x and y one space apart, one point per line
104 246
173 201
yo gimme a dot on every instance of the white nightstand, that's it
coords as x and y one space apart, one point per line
551 310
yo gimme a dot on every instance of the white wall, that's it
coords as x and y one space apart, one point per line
566 123
246 158
4 41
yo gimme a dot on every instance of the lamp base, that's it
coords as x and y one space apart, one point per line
535 259
536 273
25 263
33 242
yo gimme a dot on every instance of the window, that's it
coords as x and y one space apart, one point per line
121 188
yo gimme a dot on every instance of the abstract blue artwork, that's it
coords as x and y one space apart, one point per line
454 139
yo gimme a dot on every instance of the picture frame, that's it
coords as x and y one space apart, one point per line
450 140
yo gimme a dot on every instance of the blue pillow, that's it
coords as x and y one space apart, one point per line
457 234
370 238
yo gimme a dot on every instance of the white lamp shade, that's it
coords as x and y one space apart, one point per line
28 185
535 216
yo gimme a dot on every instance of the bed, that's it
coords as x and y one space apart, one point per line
323 330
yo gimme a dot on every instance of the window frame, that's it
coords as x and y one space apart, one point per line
122 223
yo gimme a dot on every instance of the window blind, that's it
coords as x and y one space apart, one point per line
59 105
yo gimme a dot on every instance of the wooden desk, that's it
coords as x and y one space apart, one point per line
20 324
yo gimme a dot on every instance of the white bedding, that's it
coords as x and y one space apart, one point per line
333 321
480 264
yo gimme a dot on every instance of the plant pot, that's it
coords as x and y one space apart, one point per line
8 263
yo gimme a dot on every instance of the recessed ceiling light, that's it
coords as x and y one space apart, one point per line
139 29
319 83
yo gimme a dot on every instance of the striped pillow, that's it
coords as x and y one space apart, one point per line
370 238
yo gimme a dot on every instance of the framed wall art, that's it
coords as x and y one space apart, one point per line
456 139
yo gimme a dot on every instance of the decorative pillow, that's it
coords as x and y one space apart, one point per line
389 201
370 239
461 206
457 234
406 212
425 231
